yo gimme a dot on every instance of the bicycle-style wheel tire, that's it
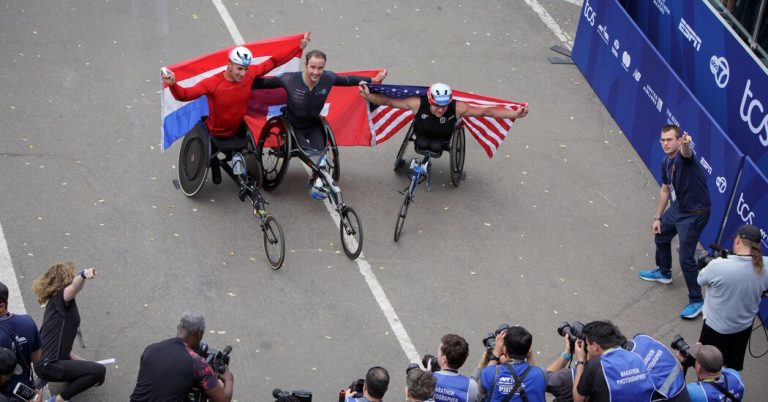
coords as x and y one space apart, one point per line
334 163
458 151
401 215
351 232
274 242
194 157
274 151
399 161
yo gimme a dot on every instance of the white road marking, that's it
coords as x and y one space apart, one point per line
363 265
576 2
550 23
8 277
233 31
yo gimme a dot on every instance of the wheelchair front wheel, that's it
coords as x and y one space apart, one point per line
194 157
274 242
457 156
274 152
351 231
401 215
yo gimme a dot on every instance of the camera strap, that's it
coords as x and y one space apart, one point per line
518 382
724 389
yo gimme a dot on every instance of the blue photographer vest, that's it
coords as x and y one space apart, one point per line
666 373
452 388
626 376
735 386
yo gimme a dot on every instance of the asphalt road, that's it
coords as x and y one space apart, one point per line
554 228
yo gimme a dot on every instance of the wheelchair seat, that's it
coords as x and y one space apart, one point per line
228 144
444 146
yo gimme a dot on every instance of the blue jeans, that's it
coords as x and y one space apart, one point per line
688 227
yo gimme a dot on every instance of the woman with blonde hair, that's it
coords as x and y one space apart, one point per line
57 288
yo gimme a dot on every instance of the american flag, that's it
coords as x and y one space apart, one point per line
489 132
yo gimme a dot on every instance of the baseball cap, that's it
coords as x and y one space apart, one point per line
709 357
749 232
8 364
3 293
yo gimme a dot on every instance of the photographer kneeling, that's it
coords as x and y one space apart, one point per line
734 289
510 373
172 368
715 383
372 388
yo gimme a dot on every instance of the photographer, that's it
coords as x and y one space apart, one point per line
734 288
560 376
8 369
18 332
509 373
715 383
452 386
170 369
611 373
419 386
374 387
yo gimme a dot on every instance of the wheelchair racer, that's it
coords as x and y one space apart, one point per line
228 93
307 92
437 114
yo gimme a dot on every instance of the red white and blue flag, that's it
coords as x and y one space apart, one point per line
179 117
489 132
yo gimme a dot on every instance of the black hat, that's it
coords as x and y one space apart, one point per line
749 232
8 364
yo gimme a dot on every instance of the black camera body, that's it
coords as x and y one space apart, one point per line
489 340
218 360
428 361
717 252
356 387
574 330
679 344
299 394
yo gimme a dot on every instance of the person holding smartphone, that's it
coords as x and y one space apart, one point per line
8 369
57 288
18 332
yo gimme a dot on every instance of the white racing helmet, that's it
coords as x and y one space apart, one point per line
440 94
241 55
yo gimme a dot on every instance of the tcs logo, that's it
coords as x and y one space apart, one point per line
589 13
742 208
761 117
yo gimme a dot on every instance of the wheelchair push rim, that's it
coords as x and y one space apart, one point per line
194 157
274 152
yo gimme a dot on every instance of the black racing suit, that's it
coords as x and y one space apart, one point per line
434 133
305 105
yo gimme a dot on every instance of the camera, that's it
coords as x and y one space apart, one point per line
357 390
704 258
218 360
679 344
299 394
428 361
489 340
573 330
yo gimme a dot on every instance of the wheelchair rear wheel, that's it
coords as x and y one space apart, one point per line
274 151
457 156
333 159
194 157
274 242
351 231
409 136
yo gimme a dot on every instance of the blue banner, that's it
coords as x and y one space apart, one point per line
714 64
642 93
750 204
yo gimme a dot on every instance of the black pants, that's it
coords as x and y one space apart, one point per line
80 374
436 145
733 346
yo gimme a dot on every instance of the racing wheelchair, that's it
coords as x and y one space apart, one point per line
275 147
420 172
235 157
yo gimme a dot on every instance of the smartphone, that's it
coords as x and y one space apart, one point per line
24 392
164 71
